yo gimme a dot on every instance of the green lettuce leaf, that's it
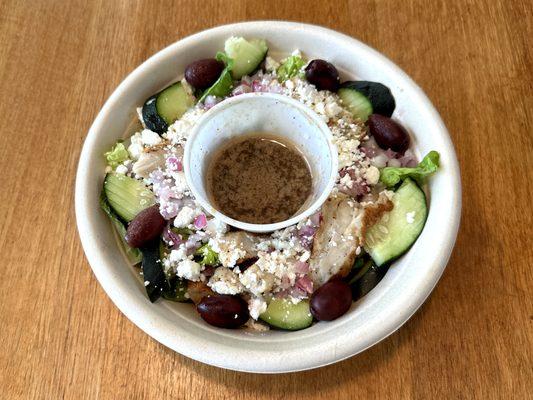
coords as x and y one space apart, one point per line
206 255
391 176
117 155
184 232
223 85
290 68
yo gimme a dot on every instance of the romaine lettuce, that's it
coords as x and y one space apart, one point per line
117 155
391 176
206 255
290 68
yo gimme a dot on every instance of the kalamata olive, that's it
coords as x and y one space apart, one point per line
145 227
388 133
323 75
224 311
331 300
203 73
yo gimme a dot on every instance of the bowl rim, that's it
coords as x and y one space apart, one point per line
251 227
333 349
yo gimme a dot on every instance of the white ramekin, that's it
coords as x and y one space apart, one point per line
262 112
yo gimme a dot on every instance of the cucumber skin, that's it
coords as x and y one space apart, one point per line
133 255
347 97
117 182
151 118
163 100
379 95
386 261
276 314
233 49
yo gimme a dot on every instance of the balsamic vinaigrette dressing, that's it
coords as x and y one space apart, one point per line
258 178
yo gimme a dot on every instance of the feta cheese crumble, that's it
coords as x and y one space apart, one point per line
225 281
185 217
189 269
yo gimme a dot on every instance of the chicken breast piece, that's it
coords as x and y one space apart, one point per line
342 231
148 162
234 247
336 240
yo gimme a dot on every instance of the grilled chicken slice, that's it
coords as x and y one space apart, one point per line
235 247
336 240
148 162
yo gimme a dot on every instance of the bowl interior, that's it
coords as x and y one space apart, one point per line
403 289
262 112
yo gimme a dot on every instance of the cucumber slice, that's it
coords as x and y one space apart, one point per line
398 229
133 255
246 54
284 314
368 281
379 95
165 107
151 118
172 102
127 196
357 103
155 280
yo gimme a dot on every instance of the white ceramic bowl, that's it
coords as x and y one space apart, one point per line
403 289
262 112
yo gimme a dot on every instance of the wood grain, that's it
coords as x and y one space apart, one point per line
63 338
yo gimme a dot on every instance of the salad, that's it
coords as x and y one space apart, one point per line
287 279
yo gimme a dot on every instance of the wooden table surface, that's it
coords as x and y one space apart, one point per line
61 337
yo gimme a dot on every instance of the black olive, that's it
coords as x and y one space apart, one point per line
331 300
203 73
224 311
145 227
323 75
388 133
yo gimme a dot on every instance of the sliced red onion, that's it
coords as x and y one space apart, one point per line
200 222
305 284
307 231
170 208
241 89
305 235
156 177
171 238
390 154
301 267
173 163
408 159
192 245
368 151
257 87
359 188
